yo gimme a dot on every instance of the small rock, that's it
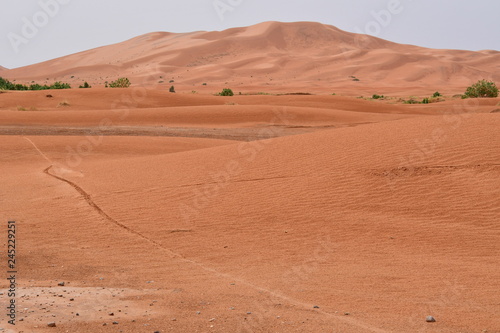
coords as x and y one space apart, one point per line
71 299
77 314
104 324
316 307
346 313
249 313
212 319
174 319
198 312
115 323
61 284
157 332
111 314
51 324
430 319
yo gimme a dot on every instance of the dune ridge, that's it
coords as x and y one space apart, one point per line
270 54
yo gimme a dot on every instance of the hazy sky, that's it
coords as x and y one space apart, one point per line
32 31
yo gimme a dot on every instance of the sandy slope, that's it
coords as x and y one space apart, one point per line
269 56
389 222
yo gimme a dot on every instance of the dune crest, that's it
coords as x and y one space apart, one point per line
301 54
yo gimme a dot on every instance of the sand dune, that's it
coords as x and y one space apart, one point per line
260 212
301 55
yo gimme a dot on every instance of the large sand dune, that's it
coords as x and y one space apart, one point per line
270 56
191 212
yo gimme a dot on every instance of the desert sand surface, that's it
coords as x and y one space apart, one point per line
140 210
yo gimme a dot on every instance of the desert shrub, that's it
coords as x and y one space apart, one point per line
172 89
60 85
85 85
437 94
226 92
480 89
411 101
425 100
204 84
37 86
5 84
122 82
377 96
20 87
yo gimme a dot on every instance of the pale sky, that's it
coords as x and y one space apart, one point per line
32 31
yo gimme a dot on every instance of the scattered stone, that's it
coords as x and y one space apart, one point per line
212 319
430 319
77 314
156 332
111 314
51 324
249 313
232 308
61 284
115 323
315 307
21 319
71 299
198 312
49 96
104 324
346 313
174 319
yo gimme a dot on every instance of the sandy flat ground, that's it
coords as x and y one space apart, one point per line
139 210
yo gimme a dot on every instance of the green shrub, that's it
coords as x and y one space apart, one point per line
6 85
411 101
437 94
60 85
172 89
480 89
85 85
425 100
122 82
226 92
377 96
